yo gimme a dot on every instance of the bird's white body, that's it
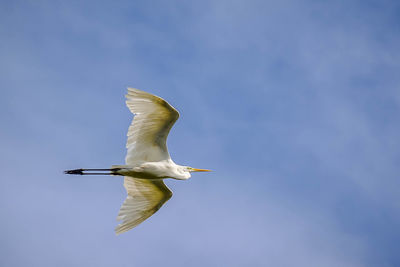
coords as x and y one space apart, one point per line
154 170
147 160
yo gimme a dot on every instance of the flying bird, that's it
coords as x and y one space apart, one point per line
147 160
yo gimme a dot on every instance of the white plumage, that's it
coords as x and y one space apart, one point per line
144 198
147 135
147 160
147 141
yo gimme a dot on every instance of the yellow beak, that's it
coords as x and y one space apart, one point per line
199 170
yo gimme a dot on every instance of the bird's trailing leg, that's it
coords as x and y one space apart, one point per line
93 171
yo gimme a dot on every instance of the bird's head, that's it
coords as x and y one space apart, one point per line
183 172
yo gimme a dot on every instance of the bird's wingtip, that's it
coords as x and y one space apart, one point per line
131 89
132 92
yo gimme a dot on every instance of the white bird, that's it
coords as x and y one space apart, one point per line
147 160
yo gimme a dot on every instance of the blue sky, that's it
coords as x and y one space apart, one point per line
293 104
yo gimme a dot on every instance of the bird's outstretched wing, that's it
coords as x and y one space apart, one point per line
147 135
145 197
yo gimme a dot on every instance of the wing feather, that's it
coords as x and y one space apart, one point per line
145 197
147 134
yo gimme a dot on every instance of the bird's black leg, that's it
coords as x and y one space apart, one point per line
92 172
